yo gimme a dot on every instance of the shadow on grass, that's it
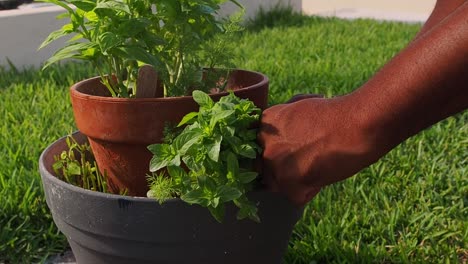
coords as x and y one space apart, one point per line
279 15
59 74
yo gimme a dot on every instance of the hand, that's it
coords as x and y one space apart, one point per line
311 142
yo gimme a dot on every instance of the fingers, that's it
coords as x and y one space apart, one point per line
298 192
280 168
281 174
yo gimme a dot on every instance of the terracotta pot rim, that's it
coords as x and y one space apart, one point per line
73 89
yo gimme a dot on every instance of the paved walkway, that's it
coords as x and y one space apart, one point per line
396 10
355 13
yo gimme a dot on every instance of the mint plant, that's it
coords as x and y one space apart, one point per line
210 162
119 36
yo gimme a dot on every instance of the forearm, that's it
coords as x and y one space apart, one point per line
425 83
442 9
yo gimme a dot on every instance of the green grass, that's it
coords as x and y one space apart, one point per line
410 207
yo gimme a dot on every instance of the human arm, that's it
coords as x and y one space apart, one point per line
442 9
315 142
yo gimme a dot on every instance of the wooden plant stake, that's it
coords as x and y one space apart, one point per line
148 83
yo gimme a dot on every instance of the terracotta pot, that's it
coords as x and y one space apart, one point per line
107 228
120 129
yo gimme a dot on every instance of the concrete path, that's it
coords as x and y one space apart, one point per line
355 13
395 10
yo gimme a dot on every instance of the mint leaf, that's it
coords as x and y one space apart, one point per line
248 151
157 163
246 177
247 210
220 115
187 118
215 148
232 166
163 156
196 196
217 212
176 172
191 163
228 193
186 140
202 99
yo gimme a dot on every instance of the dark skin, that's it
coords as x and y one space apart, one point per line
313 142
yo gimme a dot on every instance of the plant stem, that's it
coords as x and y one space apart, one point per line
105 80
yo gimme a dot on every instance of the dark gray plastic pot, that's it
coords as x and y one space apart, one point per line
108 228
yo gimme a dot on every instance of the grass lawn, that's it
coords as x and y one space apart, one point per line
410 207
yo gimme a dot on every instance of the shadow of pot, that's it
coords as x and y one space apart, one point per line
108 228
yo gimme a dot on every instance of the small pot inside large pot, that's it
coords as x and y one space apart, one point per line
120 129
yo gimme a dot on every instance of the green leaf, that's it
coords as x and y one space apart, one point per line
65 30
91 16
159 148
196 196
202 99
187 118
237 4
234 143
107 41
71 51
248 135
227 131
175 161
247 210
215 202
176 172
73 168
140 54
132 27
84 5
232 166
247 151
114 6
57 166
217 212
191 163
187 139
61 4
246 177
75 38
207 184
220 116
163 156
215 148
228 193
157 163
